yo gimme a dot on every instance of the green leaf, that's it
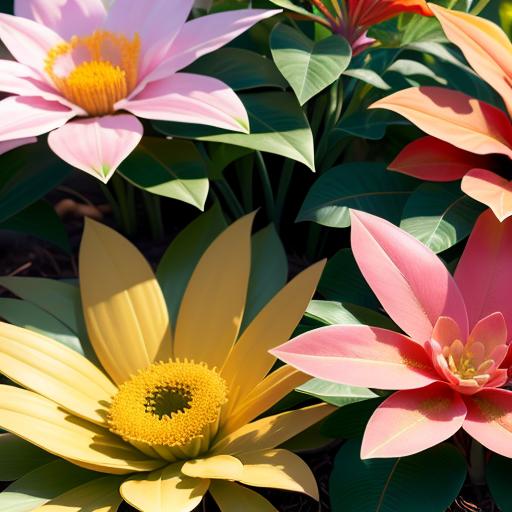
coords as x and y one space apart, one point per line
42 485
335 394
170 168
41 221
308 67
18 457
221 155
290 6
368 76
28 173
240 69
369 124
278 125
426 482
498 481
365 186
31 317
180 259
440 216
342 281
269 270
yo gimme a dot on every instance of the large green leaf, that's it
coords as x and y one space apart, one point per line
39 220
440 215
170 168
426 482
180 259
335 394
240 69
28 173
363 186
498 474
308 66
278 125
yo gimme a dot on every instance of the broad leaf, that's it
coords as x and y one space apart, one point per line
498 480
335 394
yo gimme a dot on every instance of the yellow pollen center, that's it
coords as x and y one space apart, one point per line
172 408
464 362
96 71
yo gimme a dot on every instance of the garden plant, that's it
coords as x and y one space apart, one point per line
255 255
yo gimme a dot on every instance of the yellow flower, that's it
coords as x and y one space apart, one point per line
172 414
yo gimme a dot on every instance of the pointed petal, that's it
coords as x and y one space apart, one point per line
432 159
454 117
9 145
43 423
278 469
224 467
484 273
410 281
364 13
31 116
359 355
163 489
189 98
29 42
267 393
212 307
446 331
231 497
98 495
409 422
97 145
485 46
269 432
489 419
273 325
56 372
490 189
491 331
124 307
66 17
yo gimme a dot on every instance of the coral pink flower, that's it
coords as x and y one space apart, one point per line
462 131
449 367
353 18
84 74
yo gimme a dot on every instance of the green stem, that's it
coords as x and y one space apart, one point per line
125 197
267 186
230 198
245 172
332 115
154 213
313 240
477 463
112 202
282 190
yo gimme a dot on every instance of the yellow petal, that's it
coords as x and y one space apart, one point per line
224 467
231 497
99 495
249 361
164 490
269 432
213 304
268 392
278 469
55 371
124 308
43 423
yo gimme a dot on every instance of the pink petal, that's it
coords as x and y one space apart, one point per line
9 145
97 145
484 272
454 117
28 41
66 17
359 355
206 34
28 117
188 98
491 331
446 331
490 189
409 422
410 281
157 22
489 419
432 159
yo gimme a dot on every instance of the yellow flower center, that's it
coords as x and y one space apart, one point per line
467 361
96 71
171 410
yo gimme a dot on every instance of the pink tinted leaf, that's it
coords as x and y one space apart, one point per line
359 355
411 421
410 281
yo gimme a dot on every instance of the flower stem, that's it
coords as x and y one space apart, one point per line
477 463
282 190
154 213
267 186
233 204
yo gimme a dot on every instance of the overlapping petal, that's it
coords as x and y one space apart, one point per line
232 497
224 467
370 12
9 145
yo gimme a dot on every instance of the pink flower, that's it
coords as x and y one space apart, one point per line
84 74
449 367
9 145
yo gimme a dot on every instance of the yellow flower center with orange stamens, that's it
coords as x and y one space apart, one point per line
171 410
462 360
96 71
